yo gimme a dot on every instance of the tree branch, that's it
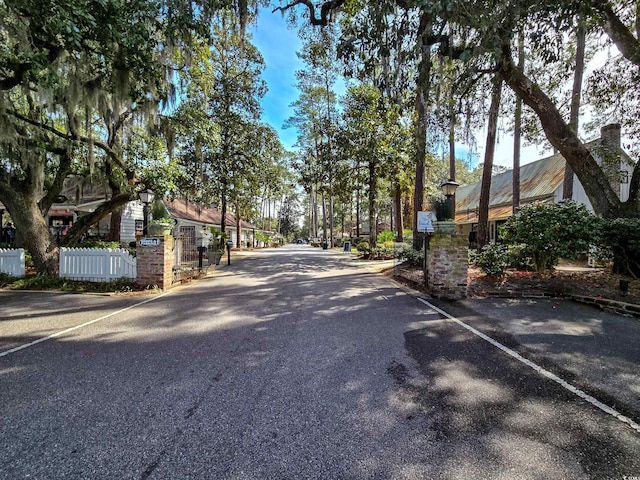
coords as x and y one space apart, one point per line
618 32
325 10
81 138
604 200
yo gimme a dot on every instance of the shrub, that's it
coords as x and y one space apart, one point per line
384 237
363 247
551 231
621 236
441 207
492 259
407 254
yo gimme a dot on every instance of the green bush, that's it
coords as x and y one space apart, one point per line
6 279
386 236
621 236
406 253
551 231
492 259
363 247
51 282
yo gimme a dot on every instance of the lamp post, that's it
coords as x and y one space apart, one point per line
449 191
146 197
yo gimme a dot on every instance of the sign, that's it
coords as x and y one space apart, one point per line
424 222
149 242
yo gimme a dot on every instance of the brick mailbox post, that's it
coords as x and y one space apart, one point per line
447 266
154 261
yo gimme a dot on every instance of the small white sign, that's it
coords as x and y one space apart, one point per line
149 242
424 222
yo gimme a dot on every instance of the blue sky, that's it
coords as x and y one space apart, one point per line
278 45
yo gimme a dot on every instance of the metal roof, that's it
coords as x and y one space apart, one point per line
538 181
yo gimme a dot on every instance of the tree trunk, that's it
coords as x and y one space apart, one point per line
604 200
574 117
115 225
238 229
485 186
373 185
398 212
35 236
517 133
324 218
452 153
423 86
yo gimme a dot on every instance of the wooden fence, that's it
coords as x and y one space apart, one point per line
96 265
12 261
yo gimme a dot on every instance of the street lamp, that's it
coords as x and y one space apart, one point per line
449 190
146 197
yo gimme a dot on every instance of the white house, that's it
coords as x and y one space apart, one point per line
543 180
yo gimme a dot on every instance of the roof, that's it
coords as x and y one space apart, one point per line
184 210
538 181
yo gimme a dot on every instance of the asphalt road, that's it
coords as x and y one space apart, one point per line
297 363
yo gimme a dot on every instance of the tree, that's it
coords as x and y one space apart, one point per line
486 32
548 232
71 80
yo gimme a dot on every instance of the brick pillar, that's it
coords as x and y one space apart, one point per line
154 261
448 262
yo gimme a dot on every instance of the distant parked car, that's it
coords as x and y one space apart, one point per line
299 241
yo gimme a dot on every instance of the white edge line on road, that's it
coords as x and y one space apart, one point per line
576 391
71 329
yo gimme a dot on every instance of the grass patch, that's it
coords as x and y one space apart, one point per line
51 282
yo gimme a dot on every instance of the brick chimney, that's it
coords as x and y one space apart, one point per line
610 135
611 158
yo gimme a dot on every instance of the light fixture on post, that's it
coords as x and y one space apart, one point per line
449 190
146 197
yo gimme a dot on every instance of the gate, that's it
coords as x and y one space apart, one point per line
186 254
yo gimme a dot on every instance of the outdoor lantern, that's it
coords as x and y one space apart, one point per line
146 197
449 188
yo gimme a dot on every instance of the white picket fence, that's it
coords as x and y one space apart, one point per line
12 261
96 264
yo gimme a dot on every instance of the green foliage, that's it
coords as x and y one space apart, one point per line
51 282
492 259
6 279
408 254
363 247
551 231
441 207
386 236
622 237
98 244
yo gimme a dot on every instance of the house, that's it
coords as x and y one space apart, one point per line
542 181
192 219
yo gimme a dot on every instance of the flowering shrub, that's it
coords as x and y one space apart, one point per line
550 231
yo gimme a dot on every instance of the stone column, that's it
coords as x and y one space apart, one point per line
448 263
154 261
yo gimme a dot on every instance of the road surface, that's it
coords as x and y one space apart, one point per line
296 363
